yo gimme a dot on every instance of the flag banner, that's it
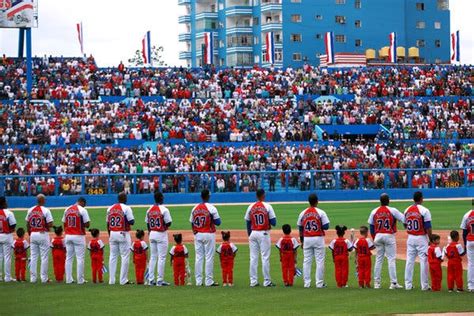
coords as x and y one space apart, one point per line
455 48
208 48
146 49
329 42
270 47
80 36
104 269
392 50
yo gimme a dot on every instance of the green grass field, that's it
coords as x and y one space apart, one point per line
56 299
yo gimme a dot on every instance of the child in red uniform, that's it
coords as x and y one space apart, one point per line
139 248
363 247
96 249
58 245
340 252
287 246
227 252
179 253
20 246
435 257
454 253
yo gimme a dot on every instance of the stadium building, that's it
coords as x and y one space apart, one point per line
240 28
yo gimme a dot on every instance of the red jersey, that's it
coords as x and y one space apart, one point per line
4 224
36 220
73 224
287 246
384 222
454 252
139 248
340 247
227 251
202 220
414 221
96 248
434 255
311 223
259 219
362 248
155 219
20 246
58 246
179 253
116 220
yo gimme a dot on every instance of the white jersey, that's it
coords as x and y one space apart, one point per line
6 221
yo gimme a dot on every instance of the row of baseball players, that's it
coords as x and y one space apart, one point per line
259 217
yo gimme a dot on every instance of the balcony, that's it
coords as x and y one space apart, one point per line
184 2
185 55
184 37
270 5
275 25
239 29
184 19
206 15
238 10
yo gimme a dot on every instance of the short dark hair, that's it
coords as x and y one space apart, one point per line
20 232
140 233
122 197
286 229
94 232
454 234
205 194
363 229
3 202
313 199
225 235
178 238
260 193
82 200
159 197
384 199
434 238
58 230
417 196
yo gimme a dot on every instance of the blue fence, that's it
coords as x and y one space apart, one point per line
239 186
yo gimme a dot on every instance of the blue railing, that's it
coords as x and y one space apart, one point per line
239 181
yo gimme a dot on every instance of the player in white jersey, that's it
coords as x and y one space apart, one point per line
467 226
7 227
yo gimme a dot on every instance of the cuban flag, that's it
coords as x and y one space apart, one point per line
80 36
146 49
208 48
104 269
329 42
455 48
392 49
270 47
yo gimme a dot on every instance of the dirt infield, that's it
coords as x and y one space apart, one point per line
240 237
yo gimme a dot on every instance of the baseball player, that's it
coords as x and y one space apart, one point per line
75 220
158 220
7 227
454 252
418 226
119 219
363 247
260 217
204 219
287 245
383 226
38 223
20 247
467 226
312 224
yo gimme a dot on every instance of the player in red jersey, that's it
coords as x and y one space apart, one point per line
179 253
363 247
287 245
454 252
227 252
96 249
58 246
383 226
139 248
7 227
340 252
204 218
119 219
467 226
38 223
435 257
20 247
75 220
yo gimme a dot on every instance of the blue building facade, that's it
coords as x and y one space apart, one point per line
239 28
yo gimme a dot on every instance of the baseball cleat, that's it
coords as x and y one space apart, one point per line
395 286
271 284
427 289
377 286
213 284
254 285
162 283
322 286
151 283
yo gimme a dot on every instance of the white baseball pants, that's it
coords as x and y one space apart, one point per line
120 243
470 265
39 247
75 247
313 247
386 246
205 246
158 252
260 244
417 246
6 241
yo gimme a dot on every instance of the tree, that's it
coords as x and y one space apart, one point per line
156 57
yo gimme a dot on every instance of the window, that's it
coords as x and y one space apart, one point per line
319 36
420 6
340 38
340 1
358 23
319 17
296 56
420 24
277 38
296 18
295 1
437 43
420 43
358 4
340 19
255 21
296 38
437 25
443 5
255 40
358 42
